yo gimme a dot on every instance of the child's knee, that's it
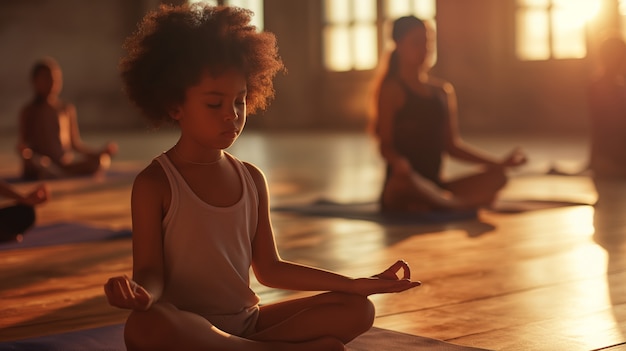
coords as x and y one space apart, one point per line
367 311
147 330
361 310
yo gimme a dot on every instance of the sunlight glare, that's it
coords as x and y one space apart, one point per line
564 21
424 9
337 11
532 35
579 221
365 46
578 12
336 47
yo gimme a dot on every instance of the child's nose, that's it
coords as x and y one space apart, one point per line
232 114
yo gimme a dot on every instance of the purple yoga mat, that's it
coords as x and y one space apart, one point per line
64 233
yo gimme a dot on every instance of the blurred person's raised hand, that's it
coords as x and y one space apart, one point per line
516 158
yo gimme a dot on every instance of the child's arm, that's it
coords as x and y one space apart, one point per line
77 143
147 201
21 136
272 271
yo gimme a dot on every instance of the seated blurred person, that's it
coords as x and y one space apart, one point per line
18 217
607 110
416 125
49 140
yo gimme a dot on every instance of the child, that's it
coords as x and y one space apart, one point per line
19 217
201 216
49 140
416 124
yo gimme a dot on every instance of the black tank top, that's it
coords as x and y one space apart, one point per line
419 132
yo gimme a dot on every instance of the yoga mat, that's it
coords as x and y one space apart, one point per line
378 339
110 338
109 174
64 233
369 211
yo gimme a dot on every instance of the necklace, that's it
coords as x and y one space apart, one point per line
198 163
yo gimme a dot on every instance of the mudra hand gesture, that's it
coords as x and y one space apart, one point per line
123 292
391 273
388 281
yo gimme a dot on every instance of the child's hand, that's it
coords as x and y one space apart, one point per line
387 281
391 272
39 195
123 292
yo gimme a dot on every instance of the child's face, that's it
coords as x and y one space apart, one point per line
214 111
48 82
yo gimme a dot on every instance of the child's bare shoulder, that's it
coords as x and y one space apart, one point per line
255 171
257 174
151 178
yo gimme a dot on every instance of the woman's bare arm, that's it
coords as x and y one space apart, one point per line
457 147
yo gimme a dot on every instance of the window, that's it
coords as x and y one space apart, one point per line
351 29
424 9
349 34
553 29
255 6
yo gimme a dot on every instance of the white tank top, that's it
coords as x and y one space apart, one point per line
208 253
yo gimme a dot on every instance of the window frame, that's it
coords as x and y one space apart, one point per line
381 22
550 12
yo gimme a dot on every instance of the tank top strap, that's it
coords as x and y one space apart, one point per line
174 178
246 178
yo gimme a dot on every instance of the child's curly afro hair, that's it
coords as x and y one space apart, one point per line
175 44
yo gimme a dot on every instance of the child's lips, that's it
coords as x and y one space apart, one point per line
231 133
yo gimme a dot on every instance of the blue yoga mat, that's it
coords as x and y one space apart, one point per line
65 233
110 338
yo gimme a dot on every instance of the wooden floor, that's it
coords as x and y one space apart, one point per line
552 279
